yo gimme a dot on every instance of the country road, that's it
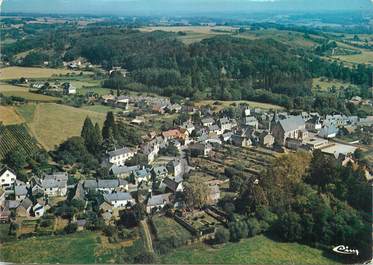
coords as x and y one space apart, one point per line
148 237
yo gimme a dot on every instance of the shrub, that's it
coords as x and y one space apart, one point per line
71 228
221 236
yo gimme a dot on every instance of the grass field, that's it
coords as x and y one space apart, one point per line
168 227
256 250
53 123
101 108
26 111
324 84
366 57
8 115
23 92
225 104
15 72
75 248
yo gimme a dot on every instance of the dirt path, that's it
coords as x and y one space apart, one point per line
148 237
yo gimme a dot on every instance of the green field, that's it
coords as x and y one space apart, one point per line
324 84
76 248
225 104
51 124
256 250
23 92
16 72
101 108
168 227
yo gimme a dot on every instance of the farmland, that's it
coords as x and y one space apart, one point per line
23 92
8 115
53 123
16 137
168 227
16 72
256 250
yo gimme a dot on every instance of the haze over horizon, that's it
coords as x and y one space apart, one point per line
180 7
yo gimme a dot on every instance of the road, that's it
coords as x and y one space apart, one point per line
148 237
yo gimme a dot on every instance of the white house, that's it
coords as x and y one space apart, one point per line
120 156
157 201
55 184
119 199
38 210
7 177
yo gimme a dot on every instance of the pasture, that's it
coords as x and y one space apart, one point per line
255 250
168 227
23 92
16 72
218 105
52 124
8 115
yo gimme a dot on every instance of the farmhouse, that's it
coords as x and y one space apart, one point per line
119 199
7 177
55 184
157 202
69 89
105 185
120 156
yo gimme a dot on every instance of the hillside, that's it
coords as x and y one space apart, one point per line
16 137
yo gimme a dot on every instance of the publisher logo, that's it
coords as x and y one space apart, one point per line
345 250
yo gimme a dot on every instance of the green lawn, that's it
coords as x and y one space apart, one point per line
4 233
256 250
101 108
168 227
75 248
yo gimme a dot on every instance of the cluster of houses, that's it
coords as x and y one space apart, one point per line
46 88
158 183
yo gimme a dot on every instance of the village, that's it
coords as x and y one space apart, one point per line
199 143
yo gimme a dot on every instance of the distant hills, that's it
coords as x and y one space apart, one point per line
182 7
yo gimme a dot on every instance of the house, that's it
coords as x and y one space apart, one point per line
328 131
141 175
175 167
23 209
122 102
172 185
119 199
5 214
2 197
20 192
213 194
226 136
336 120
69 89
38 210
55 184
206 122
200 149
189 126
7 177
315 143
266 139
105 185
120 156
215 129
81 224
157 202
180 133
313 124
241 140
291 127
159 172
251 121
174 108
123 171
226 124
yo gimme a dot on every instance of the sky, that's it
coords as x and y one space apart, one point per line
179 7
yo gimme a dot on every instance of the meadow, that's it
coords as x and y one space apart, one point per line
23 92
51 124
224 104
255 250
8 115
15 72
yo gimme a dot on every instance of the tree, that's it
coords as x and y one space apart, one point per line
71 228
289 226
238 230
15 159
196 192
170 150
109 124
221 236
146 258
90 136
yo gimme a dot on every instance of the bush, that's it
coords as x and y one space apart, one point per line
145 258
71 228
253 227
221 236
